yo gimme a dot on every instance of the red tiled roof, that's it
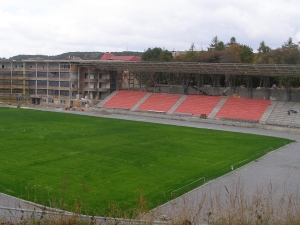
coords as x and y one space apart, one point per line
110 56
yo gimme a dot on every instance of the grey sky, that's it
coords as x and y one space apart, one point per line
53 27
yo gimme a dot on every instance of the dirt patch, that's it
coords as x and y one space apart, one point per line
103 112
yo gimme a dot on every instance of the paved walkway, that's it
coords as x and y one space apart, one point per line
279 170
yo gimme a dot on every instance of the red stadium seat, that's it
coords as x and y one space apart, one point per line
243 109
198 104
159 102
125 99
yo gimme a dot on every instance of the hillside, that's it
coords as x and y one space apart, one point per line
82 55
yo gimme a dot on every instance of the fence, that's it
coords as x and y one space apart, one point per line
268 150
188 187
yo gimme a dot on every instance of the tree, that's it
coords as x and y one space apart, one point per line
152 54
231 42
281 56
193 47
157 54
288 43
229 55
263 48
246 54
165 56
216 44
220 46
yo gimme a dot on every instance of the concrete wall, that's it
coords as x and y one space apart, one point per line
200 120
270 93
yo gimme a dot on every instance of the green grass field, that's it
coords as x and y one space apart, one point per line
64 160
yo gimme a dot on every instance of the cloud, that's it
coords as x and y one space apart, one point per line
54 27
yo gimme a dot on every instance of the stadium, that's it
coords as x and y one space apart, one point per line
182 94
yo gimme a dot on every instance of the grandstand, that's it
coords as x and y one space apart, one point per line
198 104
243 109
213 107
159 102
285 113
124 99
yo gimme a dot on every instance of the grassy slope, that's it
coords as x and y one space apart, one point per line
55 157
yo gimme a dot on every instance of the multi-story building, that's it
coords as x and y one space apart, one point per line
54 82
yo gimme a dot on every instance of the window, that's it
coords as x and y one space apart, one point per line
64 93
2 66
53 83
63 101
65 84
42 74
64 75
50 100
32 91
65 66
44 100
19 98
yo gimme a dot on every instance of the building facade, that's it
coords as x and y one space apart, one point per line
52 82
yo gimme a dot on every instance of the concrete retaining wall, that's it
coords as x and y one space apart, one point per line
190 118
276 94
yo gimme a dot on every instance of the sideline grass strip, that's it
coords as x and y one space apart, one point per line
66 160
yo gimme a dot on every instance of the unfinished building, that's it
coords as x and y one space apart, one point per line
53 82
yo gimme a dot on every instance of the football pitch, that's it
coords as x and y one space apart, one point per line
62 160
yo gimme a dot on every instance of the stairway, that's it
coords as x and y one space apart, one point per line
107 99
268 112
178 103
217 108
140 102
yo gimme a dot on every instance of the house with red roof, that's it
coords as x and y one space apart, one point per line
111 56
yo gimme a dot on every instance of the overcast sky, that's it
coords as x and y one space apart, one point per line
52 27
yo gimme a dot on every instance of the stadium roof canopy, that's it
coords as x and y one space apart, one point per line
189 67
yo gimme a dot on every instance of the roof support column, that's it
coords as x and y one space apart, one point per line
59 65
47 82
266 82
249 86
288 89
11 83
168 75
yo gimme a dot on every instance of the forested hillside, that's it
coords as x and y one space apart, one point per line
82 55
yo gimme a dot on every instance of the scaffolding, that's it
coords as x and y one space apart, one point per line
14 85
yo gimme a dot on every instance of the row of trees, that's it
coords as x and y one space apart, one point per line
231 52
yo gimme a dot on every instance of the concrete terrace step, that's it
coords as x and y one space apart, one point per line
177 104
107 99
217 108
279 114
140 102
268 112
